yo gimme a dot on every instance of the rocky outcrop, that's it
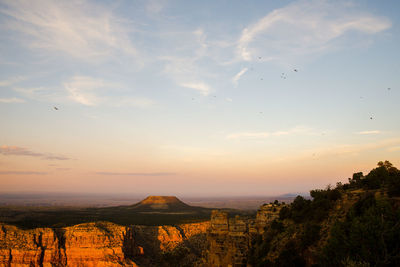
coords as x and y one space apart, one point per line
165 238
266 214
38 247
158 241
99 244
92 244
229 239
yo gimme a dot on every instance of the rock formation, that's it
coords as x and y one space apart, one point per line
229 239
161 203
266 214
93 244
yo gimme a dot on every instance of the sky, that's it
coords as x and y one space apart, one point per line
196 98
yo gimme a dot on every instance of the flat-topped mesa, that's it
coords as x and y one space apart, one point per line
160 200
161 203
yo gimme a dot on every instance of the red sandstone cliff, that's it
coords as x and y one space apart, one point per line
92 244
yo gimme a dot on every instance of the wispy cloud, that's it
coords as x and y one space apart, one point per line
369 132
263 135
154 6
81 89
136 173
183 65
88 91
203 88
20 151
11 100
91 91
42 93
11 81
80 29
139 102
22 173
236 78
303 28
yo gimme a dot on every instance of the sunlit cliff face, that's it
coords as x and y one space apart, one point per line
93 244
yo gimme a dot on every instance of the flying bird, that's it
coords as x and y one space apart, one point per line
55 108
295 70
370 118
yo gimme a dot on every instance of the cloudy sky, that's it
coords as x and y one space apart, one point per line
200 98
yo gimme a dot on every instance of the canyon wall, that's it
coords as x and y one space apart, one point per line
95 244
229 239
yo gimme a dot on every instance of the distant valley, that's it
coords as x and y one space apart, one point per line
153 210
87 200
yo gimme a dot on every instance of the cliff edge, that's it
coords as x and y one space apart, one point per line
97 244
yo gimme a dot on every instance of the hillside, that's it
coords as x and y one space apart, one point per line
352 224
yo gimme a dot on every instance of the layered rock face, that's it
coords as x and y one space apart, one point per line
266 214
92 244
229 239
165 238
29 248
99 244
158 241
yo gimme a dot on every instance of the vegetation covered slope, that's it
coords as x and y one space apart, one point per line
353 224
